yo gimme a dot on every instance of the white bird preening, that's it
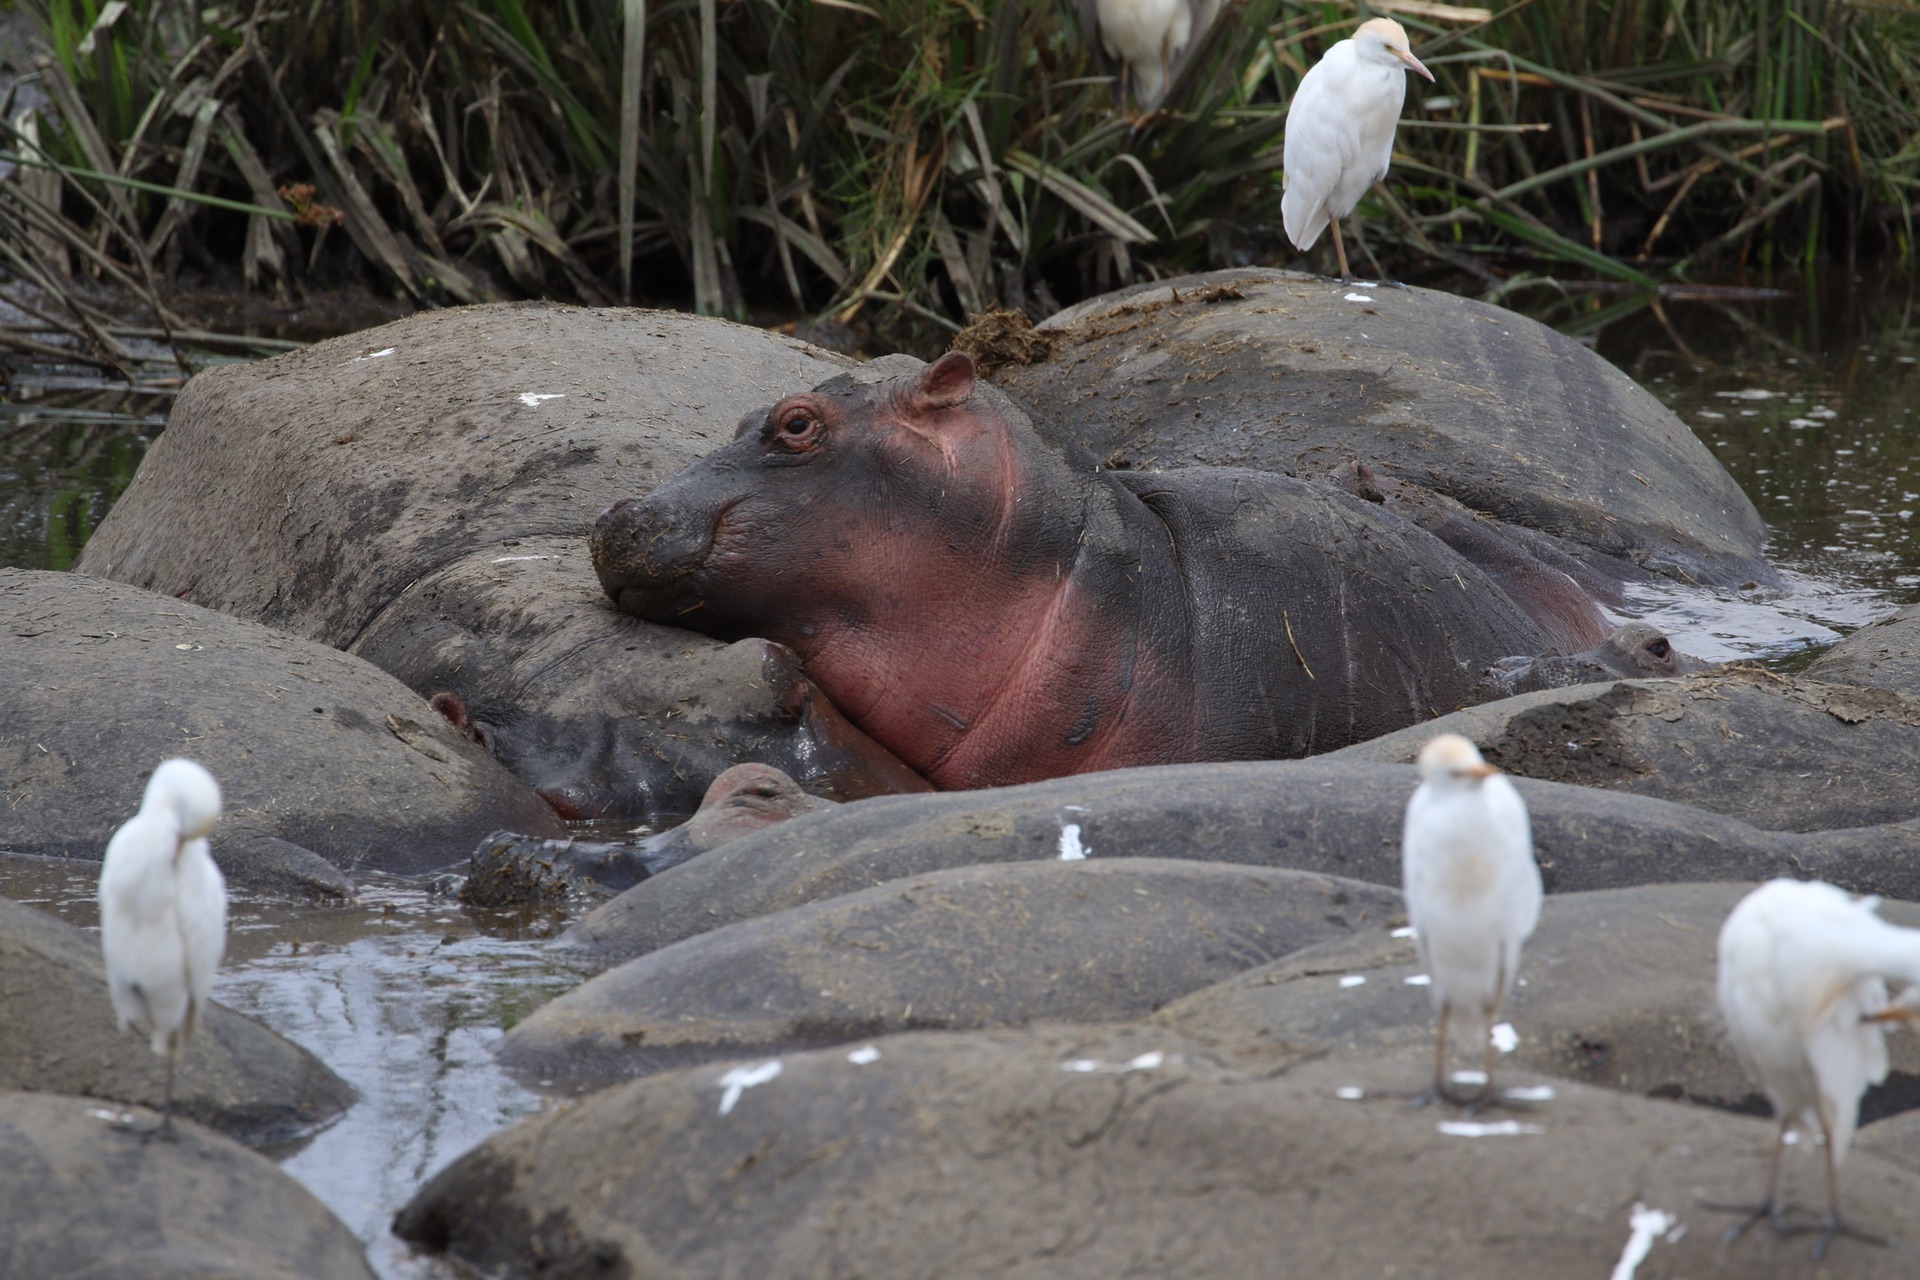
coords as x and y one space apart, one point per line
163 912
1472 889
1804 969
1150 39
1340 130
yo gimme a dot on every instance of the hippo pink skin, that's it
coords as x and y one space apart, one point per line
993 608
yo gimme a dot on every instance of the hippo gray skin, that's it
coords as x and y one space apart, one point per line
1636 650
994 608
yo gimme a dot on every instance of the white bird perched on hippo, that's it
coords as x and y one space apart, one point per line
1803 976
163 912
1340 127
994 608
1473 892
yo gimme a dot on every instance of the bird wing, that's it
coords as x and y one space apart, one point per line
1321 145
1200 16
1511 828
1847 1055
1090 34
137 936
202 915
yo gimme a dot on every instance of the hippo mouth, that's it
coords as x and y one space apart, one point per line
649 554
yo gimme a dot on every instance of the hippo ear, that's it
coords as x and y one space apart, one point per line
945 383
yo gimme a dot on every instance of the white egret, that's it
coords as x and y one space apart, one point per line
1340 130
1803 988
1472 889
1150 39
163 912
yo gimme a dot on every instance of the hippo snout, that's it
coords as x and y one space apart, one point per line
644 549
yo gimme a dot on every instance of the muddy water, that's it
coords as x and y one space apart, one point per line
1811 399
403 995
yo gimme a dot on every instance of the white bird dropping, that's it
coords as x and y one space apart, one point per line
1340 130
163 912
1803 988
1472 890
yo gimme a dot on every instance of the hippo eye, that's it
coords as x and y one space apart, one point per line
798 431
1660 648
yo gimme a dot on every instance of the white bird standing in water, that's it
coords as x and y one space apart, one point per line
163 912
1148 38
1803 988
1472 888
1340 130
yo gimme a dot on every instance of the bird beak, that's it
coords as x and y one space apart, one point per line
1893 1013
1479 772
1413 63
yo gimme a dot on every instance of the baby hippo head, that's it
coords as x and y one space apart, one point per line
829 510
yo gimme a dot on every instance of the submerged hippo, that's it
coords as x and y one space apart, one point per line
993 608
510 869
1635 650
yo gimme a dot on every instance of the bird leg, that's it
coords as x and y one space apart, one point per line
1833 1225
1340 251
1770 1209
1486 1094
1438 1091
166 1107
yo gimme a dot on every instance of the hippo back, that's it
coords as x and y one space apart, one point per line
1317 619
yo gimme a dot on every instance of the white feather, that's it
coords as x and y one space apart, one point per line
1340 127
163 907
1472 888
1801 963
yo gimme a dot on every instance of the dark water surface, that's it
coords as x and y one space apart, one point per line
1812 400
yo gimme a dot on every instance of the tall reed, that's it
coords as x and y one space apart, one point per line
920 158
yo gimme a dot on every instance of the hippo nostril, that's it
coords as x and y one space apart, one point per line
618 507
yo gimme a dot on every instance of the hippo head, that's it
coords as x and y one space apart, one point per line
1642 649
841 510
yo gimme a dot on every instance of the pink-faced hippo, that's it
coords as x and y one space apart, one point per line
994 608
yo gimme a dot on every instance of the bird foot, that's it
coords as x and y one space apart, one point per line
1482 1098
1831 1227
1774 1215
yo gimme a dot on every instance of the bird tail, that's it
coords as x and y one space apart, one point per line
1303 218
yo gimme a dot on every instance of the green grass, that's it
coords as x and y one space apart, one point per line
921 159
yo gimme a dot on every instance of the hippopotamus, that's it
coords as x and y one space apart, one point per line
1637 649
993 608
416 495
1255 367
511 869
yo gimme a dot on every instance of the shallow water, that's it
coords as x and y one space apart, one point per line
403 995
1812 401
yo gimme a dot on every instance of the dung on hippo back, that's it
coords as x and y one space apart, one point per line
994 608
